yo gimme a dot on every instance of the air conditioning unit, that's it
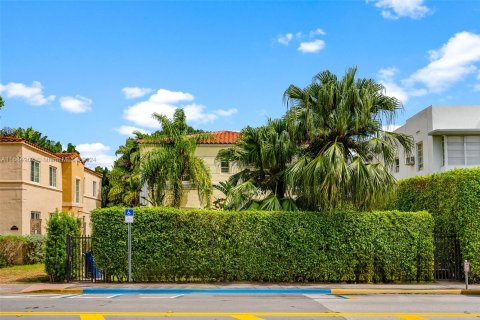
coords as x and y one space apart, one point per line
410 160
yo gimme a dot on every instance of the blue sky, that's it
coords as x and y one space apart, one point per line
89 72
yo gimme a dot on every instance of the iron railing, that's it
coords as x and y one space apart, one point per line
80 264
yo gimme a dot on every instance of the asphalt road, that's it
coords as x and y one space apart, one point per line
238 306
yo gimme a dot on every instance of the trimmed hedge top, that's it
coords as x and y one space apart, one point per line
207 245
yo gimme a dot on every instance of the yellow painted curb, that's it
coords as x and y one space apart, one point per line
62 291
400 291
471 291
237 315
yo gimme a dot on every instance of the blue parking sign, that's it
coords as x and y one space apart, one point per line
128 215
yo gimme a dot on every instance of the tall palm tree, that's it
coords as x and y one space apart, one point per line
172 162
346 153
263 154
125 175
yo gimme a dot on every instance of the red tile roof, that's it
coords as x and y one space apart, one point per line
98 174
10 139
216 137
63 155
221 137
69 155
7 139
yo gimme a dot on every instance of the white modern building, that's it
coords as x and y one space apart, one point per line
444 138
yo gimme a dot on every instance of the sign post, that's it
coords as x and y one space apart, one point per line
466 268
129 221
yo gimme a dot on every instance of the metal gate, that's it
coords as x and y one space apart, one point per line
80 264
448 259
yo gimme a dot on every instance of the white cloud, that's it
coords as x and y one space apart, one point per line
166 102
392 89
97 153
317 32
450 64
226 113
77 104
311 46
92 148
285 39
32 94
308 42
395 9
196 112
387 73
135 92
128 130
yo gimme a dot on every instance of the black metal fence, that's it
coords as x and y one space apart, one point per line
80 264
448 263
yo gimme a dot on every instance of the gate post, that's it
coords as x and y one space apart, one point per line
68 267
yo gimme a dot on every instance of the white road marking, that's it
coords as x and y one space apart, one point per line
320 297
162 297
64 296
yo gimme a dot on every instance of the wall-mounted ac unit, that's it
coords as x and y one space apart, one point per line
410 161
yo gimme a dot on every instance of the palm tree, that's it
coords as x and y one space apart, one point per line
172 163
125 175
346 154
263 153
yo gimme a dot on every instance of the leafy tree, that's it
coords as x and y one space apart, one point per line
172 163
105 184
71 148
1 103
124 179
346 154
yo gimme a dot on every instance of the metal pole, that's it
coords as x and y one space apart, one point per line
129 252
466 280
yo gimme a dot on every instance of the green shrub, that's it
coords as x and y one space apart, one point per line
11 249
35 249
59 226
453 198
207 245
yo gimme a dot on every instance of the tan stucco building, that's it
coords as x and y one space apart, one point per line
207 150
35 182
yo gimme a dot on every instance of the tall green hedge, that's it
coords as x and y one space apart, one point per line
453 198
209 245
59 226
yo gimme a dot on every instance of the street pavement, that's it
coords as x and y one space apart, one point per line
238 306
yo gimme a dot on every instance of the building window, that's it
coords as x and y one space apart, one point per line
53 176
224 166
456 150
472 150
397 165
35 215
463 150
34 171
94 188
420 156
77 190
35 223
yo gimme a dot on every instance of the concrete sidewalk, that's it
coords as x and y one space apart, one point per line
242 288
